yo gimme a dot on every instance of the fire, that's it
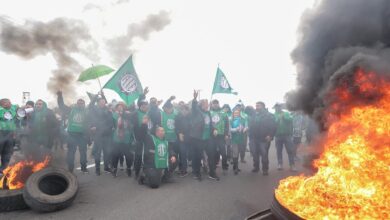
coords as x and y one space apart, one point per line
353 178
17 174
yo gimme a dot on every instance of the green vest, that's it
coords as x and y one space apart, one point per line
284 126
127 137
168 123
8 124
76 120
218 118
238 137
160 153
207 124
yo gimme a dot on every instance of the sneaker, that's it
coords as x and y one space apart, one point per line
114 173
214 177
107 170
265 173
280 167
128 171
255 170
293 168
84 170
197 177
97 172
183 173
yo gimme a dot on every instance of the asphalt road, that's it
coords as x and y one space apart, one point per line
231 198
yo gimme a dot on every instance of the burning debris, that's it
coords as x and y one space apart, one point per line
15 176
344 81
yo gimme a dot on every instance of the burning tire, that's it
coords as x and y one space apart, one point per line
50 189
11 200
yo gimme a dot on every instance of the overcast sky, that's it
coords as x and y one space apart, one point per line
251 41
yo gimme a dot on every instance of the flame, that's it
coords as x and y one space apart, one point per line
353 178
17 174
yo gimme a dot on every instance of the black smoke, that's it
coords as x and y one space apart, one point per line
61 37
120 46
336 38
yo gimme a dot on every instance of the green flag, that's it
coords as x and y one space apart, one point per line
221 84
125 82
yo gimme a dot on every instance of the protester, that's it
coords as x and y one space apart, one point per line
123 138
262 128
283 136
183 128
42 130
238 129
140 129
201 132
7 132
220 122
101 125
228 111
154 114
159 159
77 131
298 128
168 121
242 147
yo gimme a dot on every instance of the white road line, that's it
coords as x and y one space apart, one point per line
89 166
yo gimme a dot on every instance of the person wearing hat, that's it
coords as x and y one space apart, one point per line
7 132
101 125
159 159
220 122
142 125
77 131
123 138
283 136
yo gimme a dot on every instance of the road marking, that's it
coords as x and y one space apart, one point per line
89 166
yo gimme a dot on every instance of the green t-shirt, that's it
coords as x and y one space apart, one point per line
7 118
160 153
168 123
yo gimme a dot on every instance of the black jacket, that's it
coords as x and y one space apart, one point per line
183 124
261 125
198 121
102 119
140 130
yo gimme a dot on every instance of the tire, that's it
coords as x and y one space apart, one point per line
50 190
11 200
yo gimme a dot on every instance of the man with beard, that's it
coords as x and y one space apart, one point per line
123 138
220 122
283 136
42 126
77 131
101 125
140 129
262 128
7 132
183 128
200 134
159 159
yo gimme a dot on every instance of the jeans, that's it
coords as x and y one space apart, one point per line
210 151
120 149
260 149
220 147
183 156
6 149
285 141
139 147
102 144
296 142
76 140
242 148
196 154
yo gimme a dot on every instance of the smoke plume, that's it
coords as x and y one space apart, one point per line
61 38
337 37
120 46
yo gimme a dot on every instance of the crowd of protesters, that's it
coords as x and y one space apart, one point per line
152 142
